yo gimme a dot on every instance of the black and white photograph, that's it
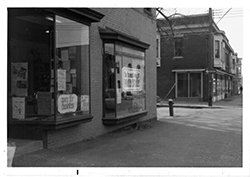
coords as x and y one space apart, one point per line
134 90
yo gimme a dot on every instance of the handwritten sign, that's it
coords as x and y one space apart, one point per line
67 103
131 78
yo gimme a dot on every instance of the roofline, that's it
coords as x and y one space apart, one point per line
214 25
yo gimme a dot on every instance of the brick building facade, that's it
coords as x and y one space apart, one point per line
196 60
86 72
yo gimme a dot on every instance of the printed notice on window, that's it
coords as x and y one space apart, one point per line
19 79
84 103
61 78
18 107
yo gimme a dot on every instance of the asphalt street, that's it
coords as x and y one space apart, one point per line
207 137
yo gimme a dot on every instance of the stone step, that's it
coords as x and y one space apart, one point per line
26 146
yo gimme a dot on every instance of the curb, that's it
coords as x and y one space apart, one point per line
191 106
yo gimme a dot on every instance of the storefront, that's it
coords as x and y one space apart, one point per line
70 77
189 83
223 85
48 69
124 77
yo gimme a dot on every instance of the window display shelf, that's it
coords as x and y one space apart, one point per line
62 122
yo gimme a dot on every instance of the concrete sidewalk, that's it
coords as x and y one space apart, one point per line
234 101
195 138
159 144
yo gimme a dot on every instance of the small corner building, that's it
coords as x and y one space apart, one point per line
77 73
196 64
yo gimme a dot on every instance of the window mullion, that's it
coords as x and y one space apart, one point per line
115 80
55 69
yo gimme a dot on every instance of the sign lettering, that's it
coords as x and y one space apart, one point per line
67 103
131 79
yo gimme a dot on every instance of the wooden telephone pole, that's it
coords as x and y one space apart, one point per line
210 60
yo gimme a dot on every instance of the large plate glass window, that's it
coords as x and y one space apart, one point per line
48 66
29 61
195 84
72 61
182 84
124 81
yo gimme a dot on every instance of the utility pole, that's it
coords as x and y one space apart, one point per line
210 60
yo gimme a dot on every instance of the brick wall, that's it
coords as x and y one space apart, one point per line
195 53
133 22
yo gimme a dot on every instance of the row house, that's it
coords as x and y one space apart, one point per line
77 73
196 59
224 65
238 79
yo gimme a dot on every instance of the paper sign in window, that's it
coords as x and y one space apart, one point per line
19 78
131 79
67 103
61 78
18 107
84 103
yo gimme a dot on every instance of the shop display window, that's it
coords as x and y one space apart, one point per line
189 85
124 81
48 66
182 85
195 85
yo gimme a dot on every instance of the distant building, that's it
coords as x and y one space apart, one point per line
238 80
196 59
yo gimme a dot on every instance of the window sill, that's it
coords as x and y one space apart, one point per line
54 125
123 119
177 57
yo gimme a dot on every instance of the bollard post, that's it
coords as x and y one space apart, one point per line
171 107
210 100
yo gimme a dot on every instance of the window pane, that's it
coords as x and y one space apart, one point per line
219 85
195 84
109 81
217 49
124 81
130 81
29 52
182 84
178 47
72 60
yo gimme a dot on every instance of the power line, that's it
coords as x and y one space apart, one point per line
229 17
223 15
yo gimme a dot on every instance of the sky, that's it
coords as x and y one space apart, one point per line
232 23
229 20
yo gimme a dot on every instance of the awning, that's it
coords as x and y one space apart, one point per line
83 15
188 70
223 72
